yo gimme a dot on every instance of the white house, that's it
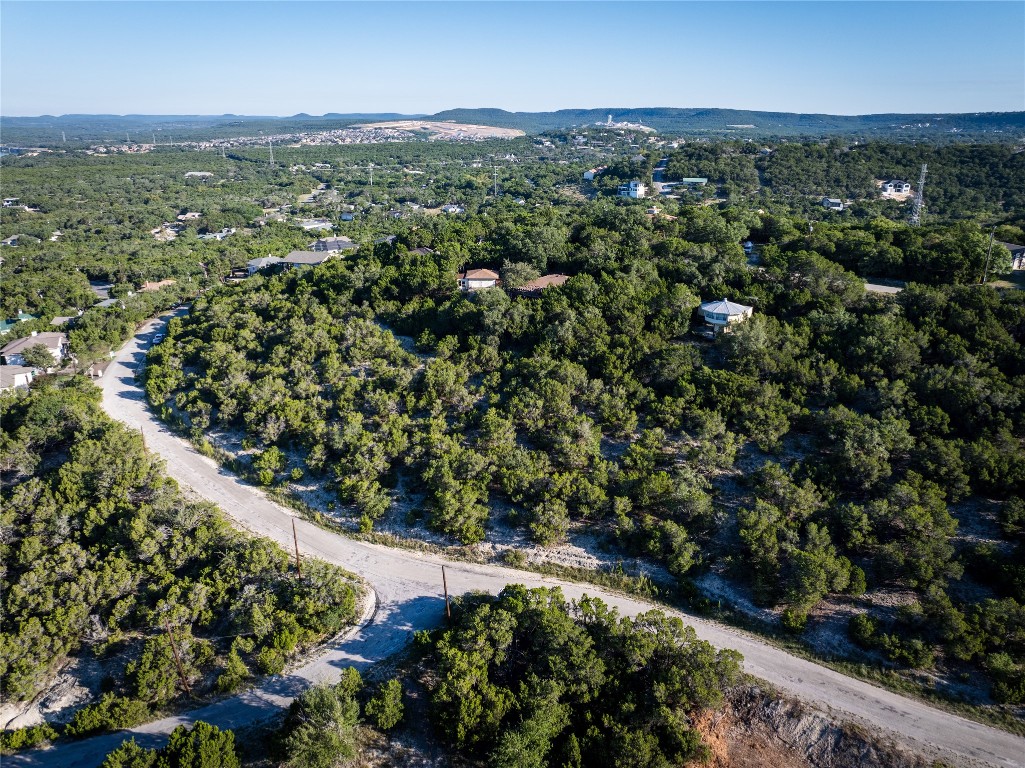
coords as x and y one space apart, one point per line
315 224
722 314
896 186
475 279
56 344
14 376
451 208
634 189
1017 255
832 203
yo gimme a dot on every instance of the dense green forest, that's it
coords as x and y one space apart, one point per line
102 554
522 679
833 445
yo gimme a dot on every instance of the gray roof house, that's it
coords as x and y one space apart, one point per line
264 262
56 344
301 259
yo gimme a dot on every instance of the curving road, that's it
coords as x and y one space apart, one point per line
409 597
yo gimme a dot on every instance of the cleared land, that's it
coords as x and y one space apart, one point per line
451 131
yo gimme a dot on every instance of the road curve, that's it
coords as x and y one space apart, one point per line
409 593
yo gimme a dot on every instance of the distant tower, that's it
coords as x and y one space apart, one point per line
270 144
496 182
609 121
916 210
64 137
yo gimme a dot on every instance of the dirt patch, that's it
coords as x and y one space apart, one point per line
450 131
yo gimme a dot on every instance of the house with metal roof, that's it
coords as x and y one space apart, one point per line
536 287
265 262
725 313
304 259
55 343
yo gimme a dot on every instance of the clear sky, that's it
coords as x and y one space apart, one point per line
281 58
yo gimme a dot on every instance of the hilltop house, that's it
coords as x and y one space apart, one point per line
56 344
722 314
535 288
475 279
896 186
832 203
634 189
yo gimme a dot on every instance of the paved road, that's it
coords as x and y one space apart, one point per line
877 288
408 589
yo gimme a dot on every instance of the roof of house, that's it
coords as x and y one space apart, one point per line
422 251
264 261
337 243
478 274
1012 247
694 180
312 258
49 339
545 281
897 181
9 372
156 286
725 307
107 303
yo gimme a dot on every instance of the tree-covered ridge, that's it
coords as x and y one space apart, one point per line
102 553
962 180
529 679
815 451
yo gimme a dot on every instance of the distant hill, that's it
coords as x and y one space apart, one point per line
674 120
49 130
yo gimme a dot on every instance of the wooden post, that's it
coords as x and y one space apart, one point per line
298 562
444 583
177 658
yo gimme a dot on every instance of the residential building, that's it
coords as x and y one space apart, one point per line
475 279
157 285
333 244
14 376
266 262
10 202
1017 255
218 235
421 251
189 216
304 259
536 287
590 174
56 344
832 203
7 325
722 314
451 208
896 186
198 175
634 189
693 181
315 224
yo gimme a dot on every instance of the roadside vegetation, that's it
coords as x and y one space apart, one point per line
105 559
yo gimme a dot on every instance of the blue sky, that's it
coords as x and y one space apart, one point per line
276 58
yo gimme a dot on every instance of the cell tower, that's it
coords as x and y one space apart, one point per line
916 210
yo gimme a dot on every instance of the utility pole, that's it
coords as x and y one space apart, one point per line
298 562
371 174
177 659
985 274
270 144
916 209
496 182
444 583
64 137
